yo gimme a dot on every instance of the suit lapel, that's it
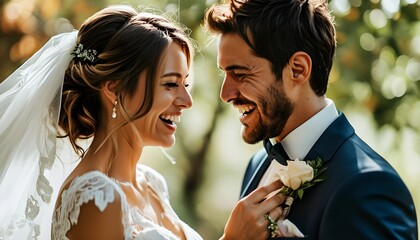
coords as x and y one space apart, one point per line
254 173
331 139
324 147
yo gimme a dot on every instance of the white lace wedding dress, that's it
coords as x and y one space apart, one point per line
96 186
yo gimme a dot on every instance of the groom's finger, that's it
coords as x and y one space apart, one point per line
261 193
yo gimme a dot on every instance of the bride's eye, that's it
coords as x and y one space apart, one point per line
170 84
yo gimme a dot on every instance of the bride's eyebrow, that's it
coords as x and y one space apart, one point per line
170 74
175 74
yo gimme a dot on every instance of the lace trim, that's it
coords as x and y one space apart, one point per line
100 188
158 183
155 181
90 186
30 145
17 222
43 192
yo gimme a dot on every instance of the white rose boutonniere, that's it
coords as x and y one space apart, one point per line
296 173
297 177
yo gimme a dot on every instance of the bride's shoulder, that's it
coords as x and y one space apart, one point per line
92 195
93 185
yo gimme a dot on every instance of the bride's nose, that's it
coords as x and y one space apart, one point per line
184 99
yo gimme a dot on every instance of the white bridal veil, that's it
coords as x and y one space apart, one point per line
30 172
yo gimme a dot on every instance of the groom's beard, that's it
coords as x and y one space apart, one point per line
276 109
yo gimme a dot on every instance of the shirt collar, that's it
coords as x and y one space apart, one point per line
299 142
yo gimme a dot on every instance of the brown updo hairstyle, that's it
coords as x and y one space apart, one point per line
127 42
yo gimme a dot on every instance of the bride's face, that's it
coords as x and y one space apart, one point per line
171 97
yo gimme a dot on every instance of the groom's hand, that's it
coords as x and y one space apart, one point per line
247 220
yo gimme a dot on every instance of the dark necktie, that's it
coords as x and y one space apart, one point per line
277 152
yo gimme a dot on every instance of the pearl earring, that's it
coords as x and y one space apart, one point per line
114 110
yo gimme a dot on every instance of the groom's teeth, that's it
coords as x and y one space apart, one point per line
244 109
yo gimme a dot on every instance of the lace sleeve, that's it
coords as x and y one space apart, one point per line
158 183
90 186
155 180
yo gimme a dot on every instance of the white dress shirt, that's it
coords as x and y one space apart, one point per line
298 142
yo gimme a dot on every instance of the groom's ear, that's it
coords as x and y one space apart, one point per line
300 67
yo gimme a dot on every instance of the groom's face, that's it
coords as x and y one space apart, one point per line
251 86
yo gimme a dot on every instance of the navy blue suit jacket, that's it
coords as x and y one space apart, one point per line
362 198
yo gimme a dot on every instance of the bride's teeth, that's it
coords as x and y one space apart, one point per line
171 118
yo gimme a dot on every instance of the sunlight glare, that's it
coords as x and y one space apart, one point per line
377 18
413 69
415 42
367 42
390 7
398 86
340 7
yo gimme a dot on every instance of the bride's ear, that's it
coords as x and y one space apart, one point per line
109 91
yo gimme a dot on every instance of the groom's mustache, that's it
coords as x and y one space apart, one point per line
242 101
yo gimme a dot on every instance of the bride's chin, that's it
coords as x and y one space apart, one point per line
168 144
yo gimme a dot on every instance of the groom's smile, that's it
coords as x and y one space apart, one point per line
252 88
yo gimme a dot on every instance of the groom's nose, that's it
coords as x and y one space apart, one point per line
229 90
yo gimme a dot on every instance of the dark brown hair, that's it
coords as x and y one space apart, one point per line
276 29
128 42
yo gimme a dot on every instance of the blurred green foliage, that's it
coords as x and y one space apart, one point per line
375 81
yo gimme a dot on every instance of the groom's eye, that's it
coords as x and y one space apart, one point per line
237 73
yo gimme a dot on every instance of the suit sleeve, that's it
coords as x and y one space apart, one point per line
370 205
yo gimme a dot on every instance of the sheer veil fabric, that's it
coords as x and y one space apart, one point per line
31 167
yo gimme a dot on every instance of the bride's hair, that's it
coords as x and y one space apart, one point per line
127 42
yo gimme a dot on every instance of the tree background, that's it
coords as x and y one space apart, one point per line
375 81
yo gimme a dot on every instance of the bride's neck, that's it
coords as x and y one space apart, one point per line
116 156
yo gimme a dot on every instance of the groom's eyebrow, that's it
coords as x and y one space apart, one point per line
235 67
